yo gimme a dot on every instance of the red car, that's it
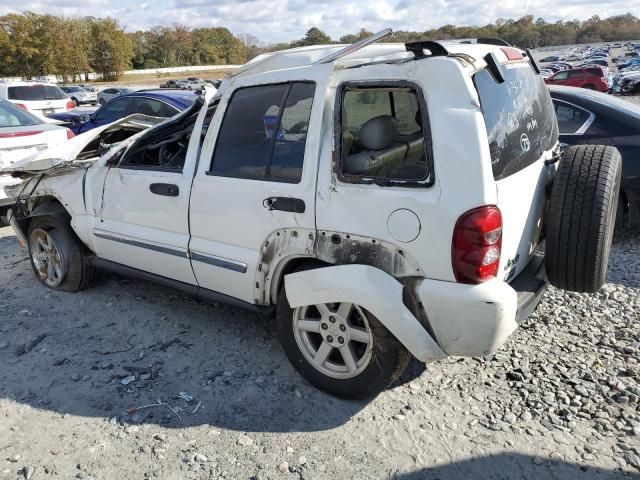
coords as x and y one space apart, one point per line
592 78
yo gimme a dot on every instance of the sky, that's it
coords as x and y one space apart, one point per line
286 20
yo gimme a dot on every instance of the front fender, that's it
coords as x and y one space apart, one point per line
372 289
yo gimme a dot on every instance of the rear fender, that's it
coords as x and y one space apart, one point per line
372 289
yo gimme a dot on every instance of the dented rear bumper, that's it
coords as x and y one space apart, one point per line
464 320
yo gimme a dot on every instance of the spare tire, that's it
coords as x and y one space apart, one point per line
581 215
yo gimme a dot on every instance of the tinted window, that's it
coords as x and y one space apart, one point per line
519 117
570 118
152 107
576 74
36 92
114 110
288 153
264 132
560 76
109 91
12 116
381 135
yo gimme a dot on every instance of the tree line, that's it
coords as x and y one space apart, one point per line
33 45
525 32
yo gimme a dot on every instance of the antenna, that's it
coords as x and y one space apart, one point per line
354 46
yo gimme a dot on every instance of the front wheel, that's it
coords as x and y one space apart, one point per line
57 256
340 348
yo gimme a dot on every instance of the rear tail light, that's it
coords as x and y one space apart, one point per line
70 105
476 245
512 53
70 134
21 105
27 133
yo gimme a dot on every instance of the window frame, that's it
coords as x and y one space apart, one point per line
584 127
428 181
171 121
266 178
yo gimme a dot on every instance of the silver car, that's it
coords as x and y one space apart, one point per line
108 93
79 95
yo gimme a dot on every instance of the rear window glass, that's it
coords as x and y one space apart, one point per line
12 116
519 117
36 92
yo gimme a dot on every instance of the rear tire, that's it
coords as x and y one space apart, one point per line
66 252
581 217
378 365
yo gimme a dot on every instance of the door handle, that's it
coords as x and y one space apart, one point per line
165 189
285 204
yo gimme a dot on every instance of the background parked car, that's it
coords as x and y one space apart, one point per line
108 93
88 87
154 103
38 98
79 95
23 134
586 117
593 78
174 84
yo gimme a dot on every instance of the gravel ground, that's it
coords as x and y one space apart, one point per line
559 400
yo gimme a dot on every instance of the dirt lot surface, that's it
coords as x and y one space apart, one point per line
559 400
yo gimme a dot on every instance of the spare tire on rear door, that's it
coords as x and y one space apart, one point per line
581 217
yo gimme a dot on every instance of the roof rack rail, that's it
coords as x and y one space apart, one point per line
418 48
493 41
343 52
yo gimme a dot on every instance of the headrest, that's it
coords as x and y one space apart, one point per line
378 133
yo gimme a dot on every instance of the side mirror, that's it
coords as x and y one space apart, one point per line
84 118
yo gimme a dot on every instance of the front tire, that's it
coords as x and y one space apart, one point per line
340 348
57 256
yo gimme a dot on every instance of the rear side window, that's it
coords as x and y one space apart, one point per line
152 107
264 132
576 74
381 136
519 117
36 92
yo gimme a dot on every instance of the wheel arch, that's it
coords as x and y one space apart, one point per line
41 206
285 267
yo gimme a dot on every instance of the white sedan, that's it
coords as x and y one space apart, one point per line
23 134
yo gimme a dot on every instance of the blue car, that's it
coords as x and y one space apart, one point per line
629 63
155 103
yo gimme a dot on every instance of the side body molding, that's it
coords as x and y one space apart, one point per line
372 289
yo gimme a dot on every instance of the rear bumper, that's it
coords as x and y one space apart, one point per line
475 320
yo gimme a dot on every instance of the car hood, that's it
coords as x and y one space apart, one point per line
66 153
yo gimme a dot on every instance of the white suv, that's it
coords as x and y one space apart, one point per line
41 99
385 200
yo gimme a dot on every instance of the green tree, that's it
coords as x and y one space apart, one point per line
109 48
314 36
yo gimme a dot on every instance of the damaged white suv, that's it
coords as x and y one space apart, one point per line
386 200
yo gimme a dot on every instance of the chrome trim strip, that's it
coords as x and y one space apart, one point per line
585 126
140 243
218 261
